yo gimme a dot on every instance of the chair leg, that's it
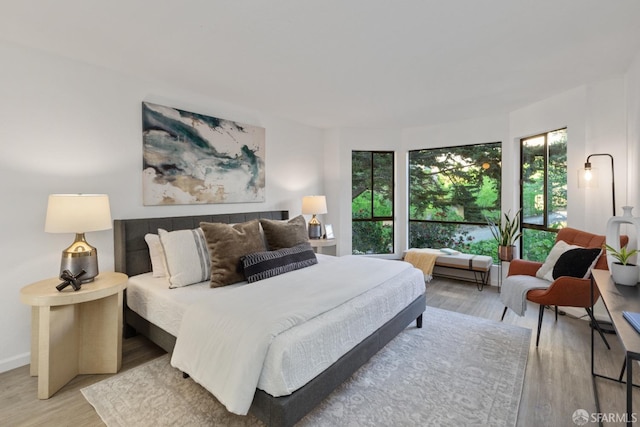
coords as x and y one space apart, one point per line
539 323
556 313
503 313
624 367
595 323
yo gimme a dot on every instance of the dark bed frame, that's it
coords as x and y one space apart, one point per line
132 257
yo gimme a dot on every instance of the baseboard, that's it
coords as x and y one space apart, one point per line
15 362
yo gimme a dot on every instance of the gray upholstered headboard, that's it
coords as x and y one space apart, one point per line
131 251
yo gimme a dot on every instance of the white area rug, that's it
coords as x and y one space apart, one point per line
457 370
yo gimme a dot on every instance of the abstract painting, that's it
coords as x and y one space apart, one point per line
191 158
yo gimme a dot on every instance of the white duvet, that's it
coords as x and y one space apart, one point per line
223 340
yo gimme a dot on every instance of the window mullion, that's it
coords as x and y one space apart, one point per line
545 210
373 193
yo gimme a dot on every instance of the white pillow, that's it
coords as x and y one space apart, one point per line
156 252
188 260
546 271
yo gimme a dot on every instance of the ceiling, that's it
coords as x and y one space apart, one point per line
345 63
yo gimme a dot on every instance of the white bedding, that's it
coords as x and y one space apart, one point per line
299 354
152 299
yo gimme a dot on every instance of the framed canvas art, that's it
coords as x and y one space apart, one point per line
190 158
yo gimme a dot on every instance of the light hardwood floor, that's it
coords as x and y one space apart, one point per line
557 381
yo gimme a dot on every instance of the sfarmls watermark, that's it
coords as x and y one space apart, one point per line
581 417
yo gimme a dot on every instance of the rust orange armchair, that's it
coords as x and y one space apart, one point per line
565 291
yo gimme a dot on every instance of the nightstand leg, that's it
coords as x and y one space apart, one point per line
35 334
100 350
57 348
74 332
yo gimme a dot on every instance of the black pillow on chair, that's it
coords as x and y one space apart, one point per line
576 263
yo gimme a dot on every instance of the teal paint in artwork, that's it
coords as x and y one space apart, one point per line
193 158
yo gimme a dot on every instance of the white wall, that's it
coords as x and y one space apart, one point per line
71 127
594 116
339 144
632 90
475 131
336 191
67 127
632 98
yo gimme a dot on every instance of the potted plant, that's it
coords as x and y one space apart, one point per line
623 272
506 232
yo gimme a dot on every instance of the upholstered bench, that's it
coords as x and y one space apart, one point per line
480 265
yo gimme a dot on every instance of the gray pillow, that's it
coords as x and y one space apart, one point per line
227 244
262 265
285 234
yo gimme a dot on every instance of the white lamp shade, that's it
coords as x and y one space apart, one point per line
77 213
314 205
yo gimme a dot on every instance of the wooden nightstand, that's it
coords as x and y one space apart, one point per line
74 332
319 246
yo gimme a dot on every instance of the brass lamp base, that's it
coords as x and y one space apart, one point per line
315 228
80 256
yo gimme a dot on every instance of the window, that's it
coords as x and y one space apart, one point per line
452 192
543 191
372 198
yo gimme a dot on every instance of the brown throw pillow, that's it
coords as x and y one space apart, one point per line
285 234
227 244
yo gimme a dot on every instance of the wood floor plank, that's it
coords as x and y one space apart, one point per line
558 376
19 405
557 379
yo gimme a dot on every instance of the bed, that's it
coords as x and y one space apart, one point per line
132 258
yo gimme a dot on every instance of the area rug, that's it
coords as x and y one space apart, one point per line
457 370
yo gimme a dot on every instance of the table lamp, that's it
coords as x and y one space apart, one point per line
78 213
314 205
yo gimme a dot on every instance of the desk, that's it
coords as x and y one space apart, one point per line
618 298
74 332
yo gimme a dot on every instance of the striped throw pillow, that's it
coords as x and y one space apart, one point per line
262 265
187 257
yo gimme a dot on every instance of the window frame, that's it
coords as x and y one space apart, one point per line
484 223
545 214
468 233
374 217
